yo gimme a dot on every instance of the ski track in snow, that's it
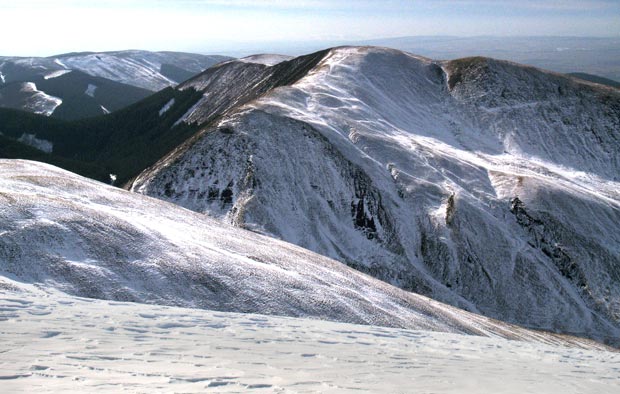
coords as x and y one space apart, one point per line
52 342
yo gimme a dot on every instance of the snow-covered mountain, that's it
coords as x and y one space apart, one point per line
59 231
54 343
79 85
148 70
484 184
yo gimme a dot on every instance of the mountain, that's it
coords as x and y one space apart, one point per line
62 232
481 183
148 70
81 85
62 343
126 142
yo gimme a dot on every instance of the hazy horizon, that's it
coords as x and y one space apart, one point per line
215 26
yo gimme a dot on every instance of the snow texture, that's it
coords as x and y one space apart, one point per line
166 107
90 90
60 231
266 59
56 343
484 184
136 68
56 74
37 101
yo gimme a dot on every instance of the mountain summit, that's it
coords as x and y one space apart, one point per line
485 184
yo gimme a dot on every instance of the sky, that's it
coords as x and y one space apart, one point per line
43 28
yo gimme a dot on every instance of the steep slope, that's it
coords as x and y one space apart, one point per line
484 184
61 231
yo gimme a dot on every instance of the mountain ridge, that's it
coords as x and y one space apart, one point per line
62 232
429 189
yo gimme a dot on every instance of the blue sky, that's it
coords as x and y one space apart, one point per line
40 27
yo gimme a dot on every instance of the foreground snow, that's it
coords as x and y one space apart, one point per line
52 342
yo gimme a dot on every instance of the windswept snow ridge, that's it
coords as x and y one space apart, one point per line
61 231
485 184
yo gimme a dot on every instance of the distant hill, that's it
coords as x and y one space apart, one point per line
122 143
596 79
71 95
80 85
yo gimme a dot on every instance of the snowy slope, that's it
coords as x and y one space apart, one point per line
266 59
57 343
484 184
27 97
60 231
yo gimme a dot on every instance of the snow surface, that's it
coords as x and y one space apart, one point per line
2 77
41 144
166 107
104 109
90 90
37 101
484 184
61 231
266 59
56 343
56 74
